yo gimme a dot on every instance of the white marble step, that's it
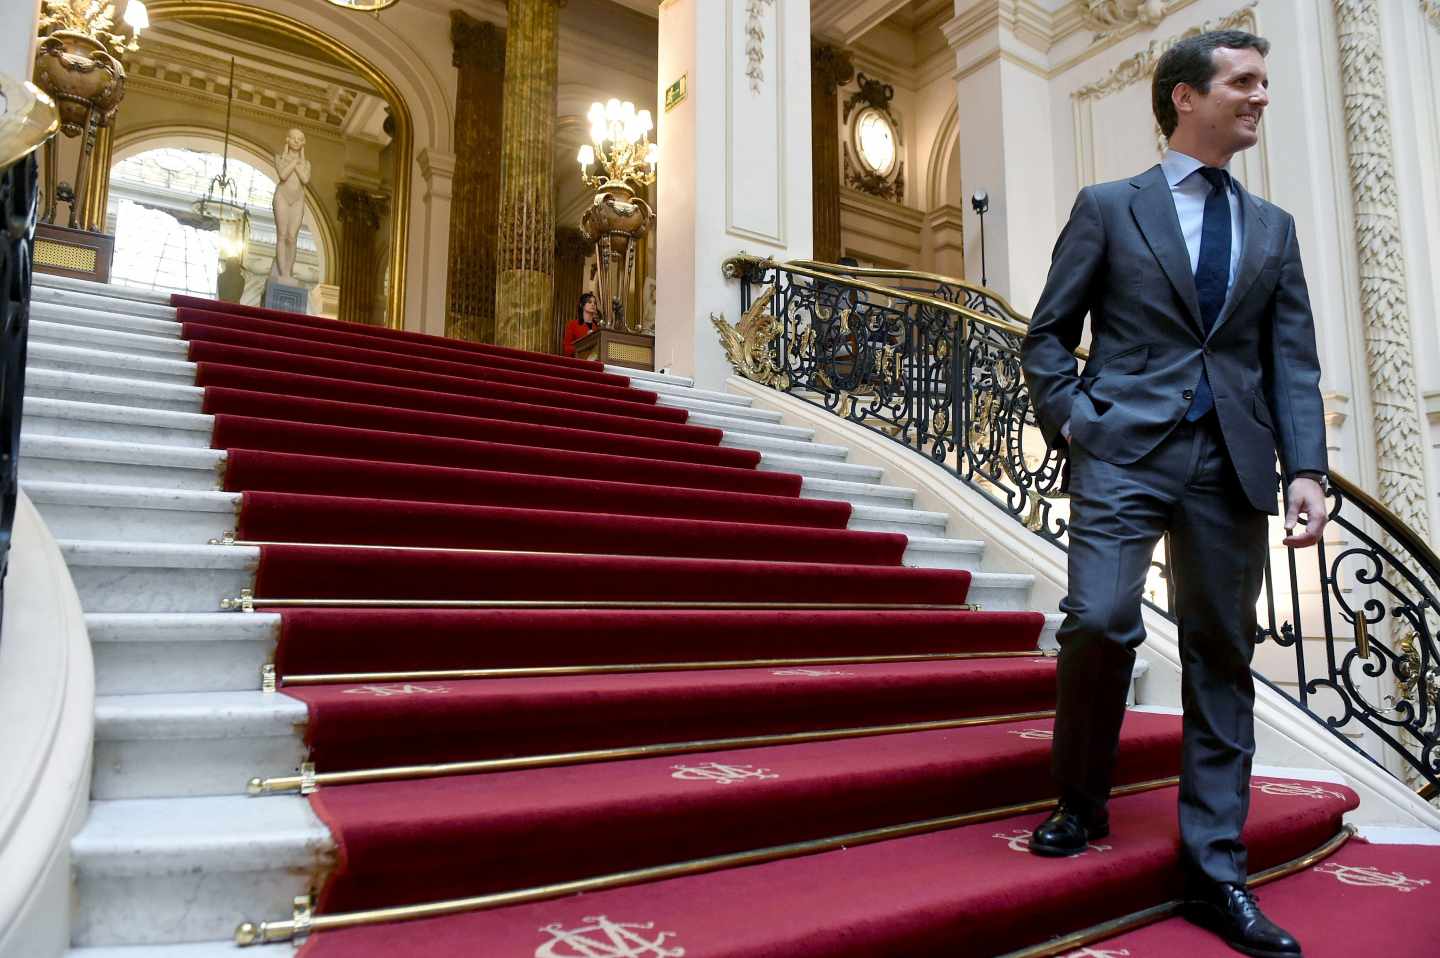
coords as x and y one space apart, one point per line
910 522
142 652
121 423
117 423
163 871
695 393
61 459
784 447
77 510
79 309
751 427
119 462
49 281
91 337
102 362
193 743
115 576
858 493
692 404
193 949
115 390
938 553
642 376
811 467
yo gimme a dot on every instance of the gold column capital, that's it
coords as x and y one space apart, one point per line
359 206
476 43
831 67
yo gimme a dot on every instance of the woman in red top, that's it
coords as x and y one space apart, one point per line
587 313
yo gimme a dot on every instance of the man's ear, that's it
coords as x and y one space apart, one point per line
1183 98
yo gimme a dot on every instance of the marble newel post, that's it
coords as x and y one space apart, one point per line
360 212
524 285
830 69
734 171
479 58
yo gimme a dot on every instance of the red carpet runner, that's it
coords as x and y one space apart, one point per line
385 465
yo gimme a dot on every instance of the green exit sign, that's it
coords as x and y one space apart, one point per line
675 93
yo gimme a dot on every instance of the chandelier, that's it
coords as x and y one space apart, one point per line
221 202
363 6
621 138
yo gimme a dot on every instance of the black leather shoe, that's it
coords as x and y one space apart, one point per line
1067 832
1231 912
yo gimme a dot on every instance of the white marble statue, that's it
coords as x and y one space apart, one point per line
289 204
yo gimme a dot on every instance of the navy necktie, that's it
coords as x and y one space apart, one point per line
1212 273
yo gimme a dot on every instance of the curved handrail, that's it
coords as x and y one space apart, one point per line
915 274
944 379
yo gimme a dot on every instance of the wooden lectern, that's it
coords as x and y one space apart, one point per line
616 348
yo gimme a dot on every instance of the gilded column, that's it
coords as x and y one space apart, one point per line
524 286
571 248
479 57
1384 308
360 214
97 183
830 69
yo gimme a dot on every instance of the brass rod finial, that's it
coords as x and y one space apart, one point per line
1362 635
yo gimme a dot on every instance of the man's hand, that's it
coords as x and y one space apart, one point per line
1304 497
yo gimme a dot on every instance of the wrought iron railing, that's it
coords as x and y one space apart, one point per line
934 364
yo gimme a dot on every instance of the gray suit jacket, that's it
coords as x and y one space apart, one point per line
1123 260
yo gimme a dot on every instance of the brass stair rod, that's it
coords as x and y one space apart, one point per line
339 678
1147 916
250 933
248 602
309 780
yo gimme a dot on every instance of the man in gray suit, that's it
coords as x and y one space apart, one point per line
1202 369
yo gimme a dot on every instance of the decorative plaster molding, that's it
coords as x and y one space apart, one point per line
1384 308
1107 15
433 165
755 42
1142 65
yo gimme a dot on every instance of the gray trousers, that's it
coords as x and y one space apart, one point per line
1187 487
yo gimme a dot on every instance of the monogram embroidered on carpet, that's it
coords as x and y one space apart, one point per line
1019 841
1295 790
406 689
1098 953
814 673
720 773
1034 734
1363 876
600 937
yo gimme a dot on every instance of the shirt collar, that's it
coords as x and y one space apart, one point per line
1177 166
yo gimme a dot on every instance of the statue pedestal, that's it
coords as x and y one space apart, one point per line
278 295
617 348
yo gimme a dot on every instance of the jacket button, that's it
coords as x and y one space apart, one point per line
1188 394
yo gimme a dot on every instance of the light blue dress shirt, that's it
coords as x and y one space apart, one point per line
1189 190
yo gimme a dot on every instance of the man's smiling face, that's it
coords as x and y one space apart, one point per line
1227 118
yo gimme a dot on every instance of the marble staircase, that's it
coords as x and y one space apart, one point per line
116 456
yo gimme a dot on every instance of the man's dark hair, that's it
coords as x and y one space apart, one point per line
1192 61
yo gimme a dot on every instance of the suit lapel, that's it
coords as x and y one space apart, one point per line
1252 255
1154 210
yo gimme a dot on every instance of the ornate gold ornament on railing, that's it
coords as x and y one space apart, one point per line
750 343
28 117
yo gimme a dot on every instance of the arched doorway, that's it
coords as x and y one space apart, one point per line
231 15
154 179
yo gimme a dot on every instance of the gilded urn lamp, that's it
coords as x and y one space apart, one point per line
78 63
618 217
